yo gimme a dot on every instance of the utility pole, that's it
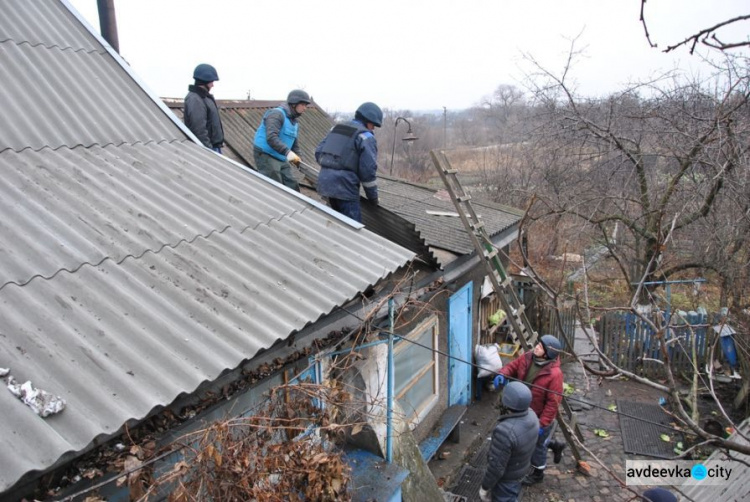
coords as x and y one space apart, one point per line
445 128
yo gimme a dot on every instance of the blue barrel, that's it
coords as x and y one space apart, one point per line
730 351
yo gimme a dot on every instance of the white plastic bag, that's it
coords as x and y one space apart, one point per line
488 359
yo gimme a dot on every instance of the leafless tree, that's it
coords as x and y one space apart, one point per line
710 36
654 159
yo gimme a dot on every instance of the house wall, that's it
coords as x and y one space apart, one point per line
432 303
439 302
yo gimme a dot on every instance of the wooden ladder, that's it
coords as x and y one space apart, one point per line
522 333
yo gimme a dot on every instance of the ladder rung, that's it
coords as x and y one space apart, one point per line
450 171
519 312
490 254
478 226
463 198
506 283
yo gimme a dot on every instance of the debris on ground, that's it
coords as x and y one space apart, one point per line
584 468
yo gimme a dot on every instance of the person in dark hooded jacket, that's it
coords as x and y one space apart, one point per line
513 443
201 113
275 145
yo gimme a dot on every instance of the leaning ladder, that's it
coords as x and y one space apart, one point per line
522 333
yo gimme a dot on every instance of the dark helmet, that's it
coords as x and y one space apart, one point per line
659 495
371 113
551 345
206 73
298 96
516 396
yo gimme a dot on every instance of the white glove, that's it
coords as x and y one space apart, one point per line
484 495
293 157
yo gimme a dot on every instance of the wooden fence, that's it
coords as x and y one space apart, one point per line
633 345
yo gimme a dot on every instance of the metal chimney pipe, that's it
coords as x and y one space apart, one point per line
108 23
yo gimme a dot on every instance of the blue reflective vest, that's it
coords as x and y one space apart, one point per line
287 135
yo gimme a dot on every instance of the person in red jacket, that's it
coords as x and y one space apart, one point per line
540 369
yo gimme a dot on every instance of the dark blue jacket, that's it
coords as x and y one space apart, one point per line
348 157
513 442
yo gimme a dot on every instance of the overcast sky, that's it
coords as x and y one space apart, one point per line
401 54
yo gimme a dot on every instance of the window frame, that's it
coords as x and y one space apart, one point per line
415 416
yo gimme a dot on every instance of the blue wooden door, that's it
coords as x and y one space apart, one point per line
459 346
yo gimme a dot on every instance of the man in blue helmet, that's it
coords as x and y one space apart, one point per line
513 442
540 369
275 146
348 157
201 112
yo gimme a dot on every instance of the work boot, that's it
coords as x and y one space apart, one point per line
534 477
557 448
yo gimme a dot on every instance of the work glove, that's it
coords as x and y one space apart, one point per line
293 158
484 495
499 381
541 431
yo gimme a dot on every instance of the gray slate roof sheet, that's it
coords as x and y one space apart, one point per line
241 119
135 264
409 202
412 201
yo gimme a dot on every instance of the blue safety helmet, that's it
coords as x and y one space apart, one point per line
370 112
551 345
206 73
516 396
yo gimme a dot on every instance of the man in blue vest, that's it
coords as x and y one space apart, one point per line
348 157
275 145
201 113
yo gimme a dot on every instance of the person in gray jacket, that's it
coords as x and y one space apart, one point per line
513 442
201 112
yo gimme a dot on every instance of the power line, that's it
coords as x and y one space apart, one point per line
493 370
548 390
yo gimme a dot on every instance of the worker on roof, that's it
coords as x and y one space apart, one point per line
540 369
513 443
348 157
275 146
201 113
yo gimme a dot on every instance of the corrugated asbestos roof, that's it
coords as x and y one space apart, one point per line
402 216
241 118
412 203
135 264
735 489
